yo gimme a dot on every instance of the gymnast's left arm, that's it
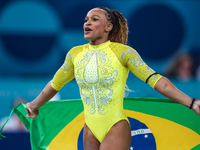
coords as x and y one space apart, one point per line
161 84
166 88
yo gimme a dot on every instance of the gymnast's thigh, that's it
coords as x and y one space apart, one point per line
118 138
90 142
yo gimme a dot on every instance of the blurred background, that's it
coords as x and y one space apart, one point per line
35 36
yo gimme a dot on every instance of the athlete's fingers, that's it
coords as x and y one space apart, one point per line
196 107
31 114
28 111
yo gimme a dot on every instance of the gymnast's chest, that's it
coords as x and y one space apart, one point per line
93 66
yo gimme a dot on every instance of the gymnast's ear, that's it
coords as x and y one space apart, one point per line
109 27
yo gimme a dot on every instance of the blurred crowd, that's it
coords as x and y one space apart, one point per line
183 66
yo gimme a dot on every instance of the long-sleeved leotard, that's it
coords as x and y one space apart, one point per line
101 73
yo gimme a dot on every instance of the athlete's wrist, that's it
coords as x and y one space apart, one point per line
32 106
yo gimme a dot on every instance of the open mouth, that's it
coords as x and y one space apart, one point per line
87 30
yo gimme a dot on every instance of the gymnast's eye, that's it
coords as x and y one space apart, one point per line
85 20
95 19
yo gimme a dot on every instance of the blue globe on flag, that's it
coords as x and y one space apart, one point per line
142 137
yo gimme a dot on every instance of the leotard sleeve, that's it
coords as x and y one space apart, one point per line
139 68
64 74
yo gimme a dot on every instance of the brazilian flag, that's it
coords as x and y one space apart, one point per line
156 124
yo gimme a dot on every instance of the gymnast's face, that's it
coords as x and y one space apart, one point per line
96 26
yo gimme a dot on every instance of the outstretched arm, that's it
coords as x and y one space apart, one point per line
47 93
139 68
166 88
62 76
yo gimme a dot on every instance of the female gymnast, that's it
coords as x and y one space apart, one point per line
101 68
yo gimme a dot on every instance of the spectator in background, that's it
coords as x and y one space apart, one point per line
181 67
198 71
14 124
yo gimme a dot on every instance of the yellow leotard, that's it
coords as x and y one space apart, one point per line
101 73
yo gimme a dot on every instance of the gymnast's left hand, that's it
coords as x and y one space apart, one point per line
196 107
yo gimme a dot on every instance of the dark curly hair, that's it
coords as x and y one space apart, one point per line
119 32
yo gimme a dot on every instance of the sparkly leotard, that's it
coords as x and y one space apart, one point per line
101 73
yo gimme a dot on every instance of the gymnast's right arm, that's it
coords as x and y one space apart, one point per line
62 76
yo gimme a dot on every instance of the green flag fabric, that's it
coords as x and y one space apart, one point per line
156 124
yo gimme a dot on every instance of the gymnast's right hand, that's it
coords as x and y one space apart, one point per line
32 113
